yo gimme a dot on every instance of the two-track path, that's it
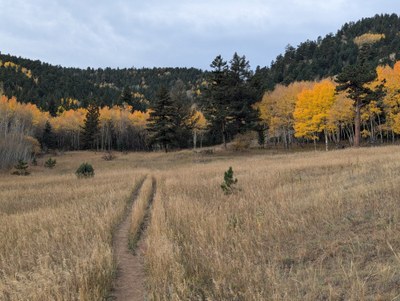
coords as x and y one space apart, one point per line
129 281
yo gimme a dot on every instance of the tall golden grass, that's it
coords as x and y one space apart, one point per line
309 226
306 226
140 211
56 230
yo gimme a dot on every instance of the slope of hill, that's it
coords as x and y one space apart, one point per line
46 85
327 56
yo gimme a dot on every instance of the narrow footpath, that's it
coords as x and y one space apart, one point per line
129 282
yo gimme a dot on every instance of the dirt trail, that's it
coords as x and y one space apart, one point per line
128 285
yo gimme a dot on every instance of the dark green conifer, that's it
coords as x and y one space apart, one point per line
90 129
162 121
48 138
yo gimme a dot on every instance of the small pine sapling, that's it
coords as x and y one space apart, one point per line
229 182
50 163
21 168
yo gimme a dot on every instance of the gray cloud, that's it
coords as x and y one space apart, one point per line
123 33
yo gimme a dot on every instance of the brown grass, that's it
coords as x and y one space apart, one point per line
139 212
310 226
56 230
306 226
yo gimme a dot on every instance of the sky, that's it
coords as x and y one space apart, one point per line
170 33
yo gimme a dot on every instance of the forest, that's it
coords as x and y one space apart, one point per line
342 90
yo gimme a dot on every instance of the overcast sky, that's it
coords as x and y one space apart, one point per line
170 33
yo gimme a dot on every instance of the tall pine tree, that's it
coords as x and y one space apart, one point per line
354 79
242 95
91 129
217 109
162 121
229 97
183 113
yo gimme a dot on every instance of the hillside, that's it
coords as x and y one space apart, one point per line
327 56
45 85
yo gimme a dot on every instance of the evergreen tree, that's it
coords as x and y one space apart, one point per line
52 108
90 129
242 96
354 80
183 113
162 121
229 97
126 97
217 109
48 140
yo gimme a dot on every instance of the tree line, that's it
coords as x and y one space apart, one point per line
357 104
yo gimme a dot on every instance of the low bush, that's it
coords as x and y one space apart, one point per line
85 170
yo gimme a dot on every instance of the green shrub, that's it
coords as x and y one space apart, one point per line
85 170
229 181
21 168
50 163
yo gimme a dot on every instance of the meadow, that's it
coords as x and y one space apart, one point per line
299 226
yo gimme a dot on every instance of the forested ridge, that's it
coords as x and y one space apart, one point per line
46 85
325 57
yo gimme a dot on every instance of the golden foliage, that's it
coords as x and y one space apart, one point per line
313 108
391 102
277 107
368 38
198 121
17 68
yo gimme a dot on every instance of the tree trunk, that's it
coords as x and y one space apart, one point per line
357 133
194 139
326 139
224 135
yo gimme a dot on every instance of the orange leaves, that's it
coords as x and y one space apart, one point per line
313 109
277 107
70 121
28 112
391 102
123 116
198 121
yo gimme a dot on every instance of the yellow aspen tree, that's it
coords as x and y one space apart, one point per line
391 102
276 109
198 123
312 111
341 117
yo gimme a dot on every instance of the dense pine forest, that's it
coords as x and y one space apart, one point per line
324 57
46 85
342 89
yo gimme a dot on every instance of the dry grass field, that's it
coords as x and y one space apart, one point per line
56 230
305 226
309 226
